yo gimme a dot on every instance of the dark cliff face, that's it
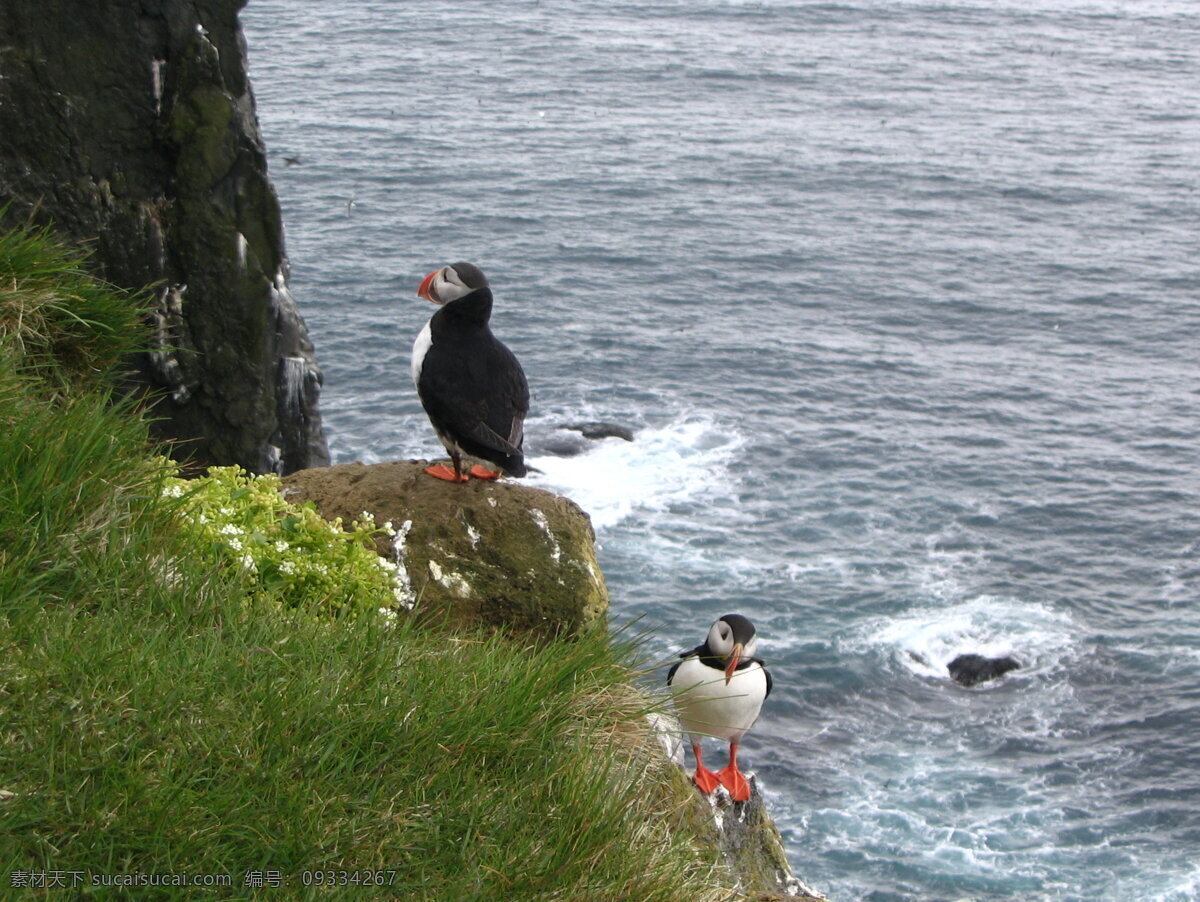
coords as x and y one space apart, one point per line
130 126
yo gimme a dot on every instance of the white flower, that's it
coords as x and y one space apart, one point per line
389 529
281 546
248 563
229 530
202 518
235 544
173 491
288 567
385 564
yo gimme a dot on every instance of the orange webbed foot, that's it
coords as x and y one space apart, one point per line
441 471
483 472
706 781
733 780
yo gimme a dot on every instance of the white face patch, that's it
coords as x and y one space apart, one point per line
447 286
720 638
721 641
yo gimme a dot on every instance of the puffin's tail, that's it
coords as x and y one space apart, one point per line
514 466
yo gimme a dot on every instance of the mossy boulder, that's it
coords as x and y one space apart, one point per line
498 554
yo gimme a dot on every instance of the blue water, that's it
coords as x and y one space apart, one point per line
903 300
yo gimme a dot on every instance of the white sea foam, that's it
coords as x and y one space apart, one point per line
687 460
1183 887
925 639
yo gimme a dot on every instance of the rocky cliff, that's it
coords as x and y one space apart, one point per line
502 554
131 128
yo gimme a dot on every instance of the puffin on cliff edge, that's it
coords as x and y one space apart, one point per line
720 688
469 383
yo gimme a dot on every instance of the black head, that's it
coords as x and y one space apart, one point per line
470 274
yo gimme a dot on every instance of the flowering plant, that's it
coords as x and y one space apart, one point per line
289 552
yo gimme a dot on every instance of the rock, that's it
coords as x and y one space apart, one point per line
573 439
741 834
971 669
751 847
601 430
560 445
492 553
669 736
133 131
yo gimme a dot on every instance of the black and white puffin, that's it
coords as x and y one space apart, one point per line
471 385
720 688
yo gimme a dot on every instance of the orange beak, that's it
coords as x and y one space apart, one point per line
735 658
423 290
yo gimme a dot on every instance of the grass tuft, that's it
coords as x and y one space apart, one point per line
59 321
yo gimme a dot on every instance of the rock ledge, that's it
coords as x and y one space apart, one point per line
499 554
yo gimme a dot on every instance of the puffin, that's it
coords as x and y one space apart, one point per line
719 689
469 383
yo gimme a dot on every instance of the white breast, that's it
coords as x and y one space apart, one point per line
708 707
420 349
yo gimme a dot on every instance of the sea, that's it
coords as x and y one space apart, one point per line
901 300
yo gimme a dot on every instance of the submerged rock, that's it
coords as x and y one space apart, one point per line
560 445
491 553
971 669
598 431
573 439
131 129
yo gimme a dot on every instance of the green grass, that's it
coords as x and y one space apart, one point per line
59 321
156 717
219 744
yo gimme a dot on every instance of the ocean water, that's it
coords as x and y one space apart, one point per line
903 302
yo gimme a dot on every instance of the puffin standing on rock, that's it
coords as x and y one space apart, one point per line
471 385
720 689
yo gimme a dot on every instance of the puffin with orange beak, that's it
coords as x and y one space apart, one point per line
469 383
720 688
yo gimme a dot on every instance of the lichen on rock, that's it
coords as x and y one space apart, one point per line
499 554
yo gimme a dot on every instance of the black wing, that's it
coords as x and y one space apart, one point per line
503 402
479 398
698 650
763 664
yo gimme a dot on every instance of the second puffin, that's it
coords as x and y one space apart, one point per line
720 687
469 383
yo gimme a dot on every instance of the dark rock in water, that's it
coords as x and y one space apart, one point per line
562 445
601 430
972 669
131 128
573 439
